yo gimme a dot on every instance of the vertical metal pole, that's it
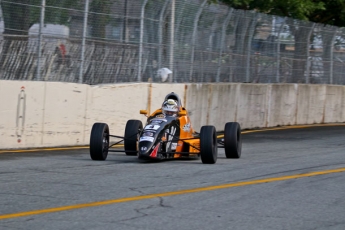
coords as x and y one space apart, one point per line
278 51
308 55
331 72
141 40
172 38
160 33
232 60
125 23
38 73
195 30
222 42
82 58
250 38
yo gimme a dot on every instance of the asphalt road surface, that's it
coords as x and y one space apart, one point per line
285 179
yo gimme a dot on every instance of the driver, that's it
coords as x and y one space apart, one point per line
170 108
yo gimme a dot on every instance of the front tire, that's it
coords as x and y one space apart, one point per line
232 140
132 136
208 145
99 141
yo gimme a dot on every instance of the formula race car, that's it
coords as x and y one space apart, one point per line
168 133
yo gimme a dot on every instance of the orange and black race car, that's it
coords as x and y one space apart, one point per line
165 137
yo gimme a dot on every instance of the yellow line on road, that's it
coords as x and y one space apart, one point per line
47 149
292 127
287 127
165 194
43 149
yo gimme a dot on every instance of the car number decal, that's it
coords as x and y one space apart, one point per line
154 127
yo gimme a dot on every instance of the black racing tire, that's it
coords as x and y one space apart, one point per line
232 140
132 136
208 144
99 141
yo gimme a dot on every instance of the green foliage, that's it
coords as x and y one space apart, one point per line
333 15
99 18
321 11
58 11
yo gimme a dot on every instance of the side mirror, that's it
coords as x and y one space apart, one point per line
143 111
182 113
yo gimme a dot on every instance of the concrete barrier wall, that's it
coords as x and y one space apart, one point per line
310 104
334 104
21 114
211 104
49 114
63 113
282 104
114 105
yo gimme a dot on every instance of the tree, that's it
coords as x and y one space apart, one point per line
320 11
330 12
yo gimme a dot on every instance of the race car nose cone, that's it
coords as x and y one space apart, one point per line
144 147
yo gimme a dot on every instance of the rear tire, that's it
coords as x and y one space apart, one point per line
99 141
132 136
232 140
208 144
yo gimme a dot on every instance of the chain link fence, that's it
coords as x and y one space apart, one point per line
114 41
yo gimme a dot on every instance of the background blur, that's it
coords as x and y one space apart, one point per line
114 41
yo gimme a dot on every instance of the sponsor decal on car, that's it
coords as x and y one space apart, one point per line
186 127
158 120
170 137
173 146
155 151
150 139
149 134
160 116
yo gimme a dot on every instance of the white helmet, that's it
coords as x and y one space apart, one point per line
170 108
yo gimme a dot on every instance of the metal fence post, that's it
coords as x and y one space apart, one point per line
222 41
125 23
195 30
332 57
308 55
38 73
142 14
249 45
82 58
160 33
231 58
278 51
172 38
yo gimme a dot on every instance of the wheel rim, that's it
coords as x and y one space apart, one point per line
215 148
105 143
137 143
